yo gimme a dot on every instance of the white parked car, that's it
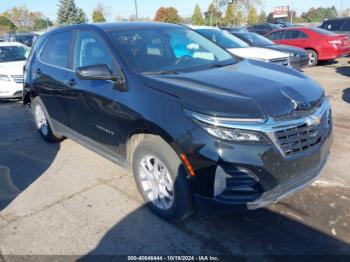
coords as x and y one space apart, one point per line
13 56
240 48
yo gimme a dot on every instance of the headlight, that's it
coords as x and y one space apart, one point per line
220 128
236 135
294 55
4 78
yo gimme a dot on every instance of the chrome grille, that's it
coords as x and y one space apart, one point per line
17 78
302 137
280 61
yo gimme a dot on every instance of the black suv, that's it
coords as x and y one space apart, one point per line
337 25
197 128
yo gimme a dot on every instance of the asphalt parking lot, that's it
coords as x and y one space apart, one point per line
59 199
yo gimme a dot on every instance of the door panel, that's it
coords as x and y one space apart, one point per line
94 108
49 74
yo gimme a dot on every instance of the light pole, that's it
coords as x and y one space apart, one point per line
136 12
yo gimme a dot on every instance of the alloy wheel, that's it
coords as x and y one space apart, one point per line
41 120
157 182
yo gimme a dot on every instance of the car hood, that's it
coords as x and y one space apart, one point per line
288 49
247 89
257 53
12 68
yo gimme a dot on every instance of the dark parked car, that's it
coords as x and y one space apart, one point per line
263 29
297 56
197 127
321 44
337 25
283 24
24 38
234 29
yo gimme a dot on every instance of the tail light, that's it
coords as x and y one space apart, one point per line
335 42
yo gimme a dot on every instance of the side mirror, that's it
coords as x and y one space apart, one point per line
102 72
96 72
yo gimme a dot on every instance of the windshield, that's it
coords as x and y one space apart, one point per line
223 38
175 49
256 40
13 53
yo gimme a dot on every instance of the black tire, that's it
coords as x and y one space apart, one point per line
182 205
46 132
313 57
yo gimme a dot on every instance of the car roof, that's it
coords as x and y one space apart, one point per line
196 27
116 26
336 18
10 44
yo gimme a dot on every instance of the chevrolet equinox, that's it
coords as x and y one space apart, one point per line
198 128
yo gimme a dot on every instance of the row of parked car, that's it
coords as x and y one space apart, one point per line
279 43
327 42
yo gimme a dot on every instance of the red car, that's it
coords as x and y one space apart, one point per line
319 43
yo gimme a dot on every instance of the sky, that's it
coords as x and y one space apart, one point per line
147 8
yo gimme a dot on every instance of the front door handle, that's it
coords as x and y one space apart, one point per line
70 82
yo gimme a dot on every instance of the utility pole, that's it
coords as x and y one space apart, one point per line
291 17
136 11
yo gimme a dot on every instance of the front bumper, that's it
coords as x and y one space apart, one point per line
299 62
10 89
213 205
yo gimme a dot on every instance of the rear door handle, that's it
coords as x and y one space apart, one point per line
70 82
38 71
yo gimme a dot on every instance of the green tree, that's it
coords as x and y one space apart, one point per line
98 15
319 14
212 16
69 13
262 17
252 16
197 17
168 15
230 15
6 25
42 23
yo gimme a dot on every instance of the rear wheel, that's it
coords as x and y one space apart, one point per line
313 57
161 179
42 122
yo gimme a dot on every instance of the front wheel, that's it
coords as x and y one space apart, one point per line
42 122
313 57
161 179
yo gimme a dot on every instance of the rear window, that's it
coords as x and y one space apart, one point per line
275 35
334 25
56 50
322 31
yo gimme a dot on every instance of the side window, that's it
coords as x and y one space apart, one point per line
294 34
90 49
56 49
346 26
276 35
333 25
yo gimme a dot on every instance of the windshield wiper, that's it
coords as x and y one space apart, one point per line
217 65
162 72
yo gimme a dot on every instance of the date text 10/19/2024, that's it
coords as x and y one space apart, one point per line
173 258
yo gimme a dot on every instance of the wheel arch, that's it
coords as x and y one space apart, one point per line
148 129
